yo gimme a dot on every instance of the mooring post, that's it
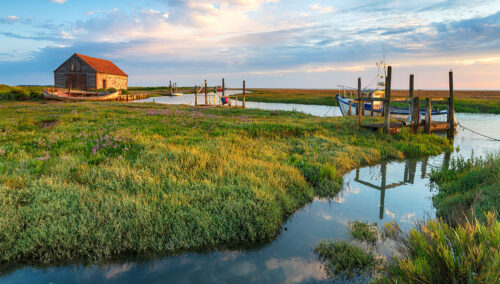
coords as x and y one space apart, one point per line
195 95
451 110
415 115
359 97
244 93
360 104
206 93
428 108
387 102
410 101
170 87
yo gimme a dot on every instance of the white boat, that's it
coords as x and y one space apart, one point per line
177 94
348 106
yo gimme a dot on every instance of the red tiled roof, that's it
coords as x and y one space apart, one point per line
102 65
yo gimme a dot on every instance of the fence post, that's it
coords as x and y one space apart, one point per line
387 102
451 110
244 93
428 117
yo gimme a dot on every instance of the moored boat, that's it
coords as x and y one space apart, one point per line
65 95
348 106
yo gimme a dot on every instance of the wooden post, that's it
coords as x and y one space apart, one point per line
195 95
451 110
170 88
418 113
387 102
360 104
358 108
371 112
415 115
428 108
244 93
223 88
410 101
206 93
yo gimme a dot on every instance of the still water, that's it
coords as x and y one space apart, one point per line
393 190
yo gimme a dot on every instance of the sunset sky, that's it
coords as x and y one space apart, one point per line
270 43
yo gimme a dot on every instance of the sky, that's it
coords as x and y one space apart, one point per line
268 43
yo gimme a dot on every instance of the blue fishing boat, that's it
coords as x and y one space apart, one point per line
348 104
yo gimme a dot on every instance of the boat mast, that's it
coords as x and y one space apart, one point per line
381 75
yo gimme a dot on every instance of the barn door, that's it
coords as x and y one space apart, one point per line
81 82
76 81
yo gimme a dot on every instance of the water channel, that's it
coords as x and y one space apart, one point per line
393 190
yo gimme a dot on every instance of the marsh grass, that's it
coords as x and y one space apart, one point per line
342 260
363 231
114 179
468 185
434 252
23 93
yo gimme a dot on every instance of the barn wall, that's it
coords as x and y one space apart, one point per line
84 68
113 81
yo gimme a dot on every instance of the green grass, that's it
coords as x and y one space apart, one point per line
92 181
363 231
477 106
22 93
342 260
434 252
469 186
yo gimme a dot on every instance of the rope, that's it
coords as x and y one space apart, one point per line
328 111
489 137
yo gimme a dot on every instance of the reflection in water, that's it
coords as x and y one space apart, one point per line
409 178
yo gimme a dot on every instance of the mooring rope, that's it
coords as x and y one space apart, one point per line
328 111
480 134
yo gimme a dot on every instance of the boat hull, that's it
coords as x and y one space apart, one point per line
61 96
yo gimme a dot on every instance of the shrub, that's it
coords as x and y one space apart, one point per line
434 252
469 186
343 260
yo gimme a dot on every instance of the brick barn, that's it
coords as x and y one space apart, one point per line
89 73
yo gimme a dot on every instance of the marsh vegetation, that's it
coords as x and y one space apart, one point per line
91 181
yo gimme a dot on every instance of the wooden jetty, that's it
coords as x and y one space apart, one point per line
213 98
415 122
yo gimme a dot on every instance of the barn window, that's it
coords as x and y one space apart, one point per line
104 85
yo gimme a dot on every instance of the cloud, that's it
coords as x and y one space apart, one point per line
297 269
12 18
321 8
59 1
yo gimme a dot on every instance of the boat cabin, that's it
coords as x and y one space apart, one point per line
89 73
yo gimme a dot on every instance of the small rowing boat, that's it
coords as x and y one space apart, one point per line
65 95
177 94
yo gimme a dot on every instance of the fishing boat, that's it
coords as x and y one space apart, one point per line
177 94
73 95
348 104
